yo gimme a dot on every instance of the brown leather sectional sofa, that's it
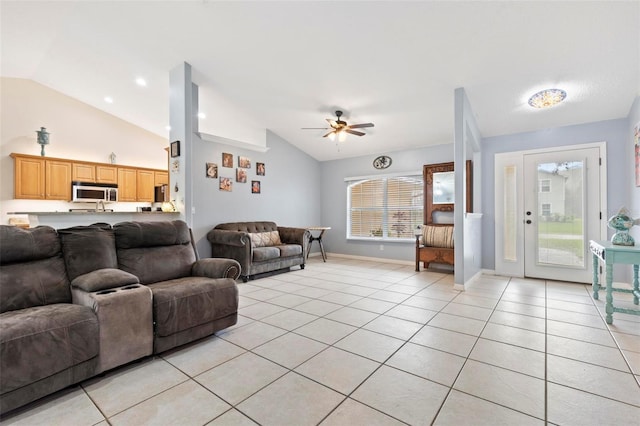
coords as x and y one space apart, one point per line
79 301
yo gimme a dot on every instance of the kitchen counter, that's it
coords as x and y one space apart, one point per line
64 219
90 212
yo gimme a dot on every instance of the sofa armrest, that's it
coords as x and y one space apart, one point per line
231 238
294 235
216 268
102 279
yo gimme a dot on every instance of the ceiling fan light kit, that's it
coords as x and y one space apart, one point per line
341 128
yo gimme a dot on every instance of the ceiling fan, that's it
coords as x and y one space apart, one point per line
341 128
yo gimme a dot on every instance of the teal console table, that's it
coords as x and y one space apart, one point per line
611 254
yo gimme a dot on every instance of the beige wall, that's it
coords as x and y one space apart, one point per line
78 131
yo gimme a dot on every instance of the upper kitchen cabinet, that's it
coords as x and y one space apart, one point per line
94 173
39 178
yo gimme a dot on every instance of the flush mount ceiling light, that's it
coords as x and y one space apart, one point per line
141 82
547 98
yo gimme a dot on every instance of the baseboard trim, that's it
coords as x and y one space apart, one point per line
375 259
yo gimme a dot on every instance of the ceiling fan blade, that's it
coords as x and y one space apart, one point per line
313 128
354 132
360 126
332 123
333 131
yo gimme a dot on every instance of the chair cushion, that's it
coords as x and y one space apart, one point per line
437 236
290 250
265 239
261 254
38 342
188 302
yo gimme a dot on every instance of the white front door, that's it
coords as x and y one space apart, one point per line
549 205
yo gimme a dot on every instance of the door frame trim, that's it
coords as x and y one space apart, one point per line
517 270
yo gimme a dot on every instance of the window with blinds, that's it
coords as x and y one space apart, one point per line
385 207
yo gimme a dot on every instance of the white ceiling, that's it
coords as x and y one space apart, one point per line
290 64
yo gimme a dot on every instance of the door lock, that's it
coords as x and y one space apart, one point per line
528 221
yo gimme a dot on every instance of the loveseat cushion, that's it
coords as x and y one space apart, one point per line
87 248
261 254
32 272
38 342
184 303
265 239
290 250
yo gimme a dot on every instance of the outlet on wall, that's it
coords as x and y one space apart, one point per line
381 247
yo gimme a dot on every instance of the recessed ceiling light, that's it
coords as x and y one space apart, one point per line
202 115
108 99
547 98
141 82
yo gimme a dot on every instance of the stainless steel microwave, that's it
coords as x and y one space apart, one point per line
83 192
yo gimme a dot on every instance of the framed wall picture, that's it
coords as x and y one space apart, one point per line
175 149
212 170
241 175
226 184
227 159
255 186
260 169
244 162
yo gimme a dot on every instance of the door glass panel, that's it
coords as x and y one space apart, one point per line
560 210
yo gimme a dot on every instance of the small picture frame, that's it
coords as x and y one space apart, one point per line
226 184
241 175
244 162
212 170
227 160
255 186
260 170
175 149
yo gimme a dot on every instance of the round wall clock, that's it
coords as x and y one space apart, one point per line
382 162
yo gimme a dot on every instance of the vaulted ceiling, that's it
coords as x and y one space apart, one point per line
286 65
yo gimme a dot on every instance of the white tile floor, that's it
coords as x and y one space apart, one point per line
352 342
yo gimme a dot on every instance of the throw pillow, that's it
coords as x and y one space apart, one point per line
265 239
438 236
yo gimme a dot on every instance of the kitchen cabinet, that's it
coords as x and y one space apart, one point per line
127 184
145 185
57 180
83 172
161 178
38 178
28 177
106 174
46 178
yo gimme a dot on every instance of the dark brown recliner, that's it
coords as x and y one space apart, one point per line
46 342
191 298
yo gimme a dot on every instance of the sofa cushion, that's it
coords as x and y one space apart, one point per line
87 248
438 236
265 239
38 342
32 272
260 254
188 302
102 279
251 227
290 250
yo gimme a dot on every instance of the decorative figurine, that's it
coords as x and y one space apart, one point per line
622 222
112 158
43 139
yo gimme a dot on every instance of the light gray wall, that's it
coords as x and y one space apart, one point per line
290 190
614 132
334 198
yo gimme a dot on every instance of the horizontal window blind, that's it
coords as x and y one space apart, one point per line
385 207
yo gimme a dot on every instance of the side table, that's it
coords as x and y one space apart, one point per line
611 254
322 230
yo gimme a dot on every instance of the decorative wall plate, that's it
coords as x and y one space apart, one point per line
382 162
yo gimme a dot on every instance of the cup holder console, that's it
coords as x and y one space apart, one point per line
106 291
130 287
